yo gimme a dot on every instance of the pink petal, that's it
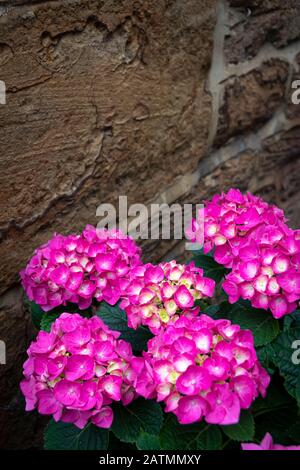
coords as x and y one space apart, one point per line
66 392
278 306
190 409
249 269
111 385
60 275
193 380
79 366
103 418
183 297
105 262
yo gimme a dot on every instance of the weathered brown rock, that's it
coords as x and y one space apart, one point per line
103 98
258 22
278 172
271 172
251 99
18 429
15 330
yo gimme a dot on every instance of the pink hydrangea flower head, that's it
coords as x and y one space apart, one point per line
229 218
77 370
79 268
267 444
251 238
157 295
202 369
271 280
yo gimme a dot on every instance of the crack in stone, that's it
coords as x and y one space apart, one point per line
15 89
251 141
216 72
266 53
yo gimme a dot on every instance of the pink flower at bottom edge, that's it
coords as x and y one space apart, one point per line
267 444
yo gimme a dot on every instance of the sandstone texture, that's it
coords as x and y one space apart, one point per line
166 101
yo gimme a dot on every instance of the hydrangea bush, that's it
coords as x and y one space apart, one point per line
169 356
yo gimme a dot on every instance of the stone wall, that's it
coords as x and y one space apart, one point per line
166 101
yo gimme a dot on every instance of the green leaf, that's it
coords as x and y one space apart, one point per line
200 436
285 356
294 431
140 416
47 319
146 441
243 430
263 326
279 424
277 397
211 311
116 444
66 436
288 320
297 390
116 319
35 311
210 267
39 316
265 355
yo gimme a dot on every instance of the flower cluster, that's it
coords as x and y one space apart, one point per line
77 370
159 294
267 274
78 268
267 444
252 239
229 219
202 369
